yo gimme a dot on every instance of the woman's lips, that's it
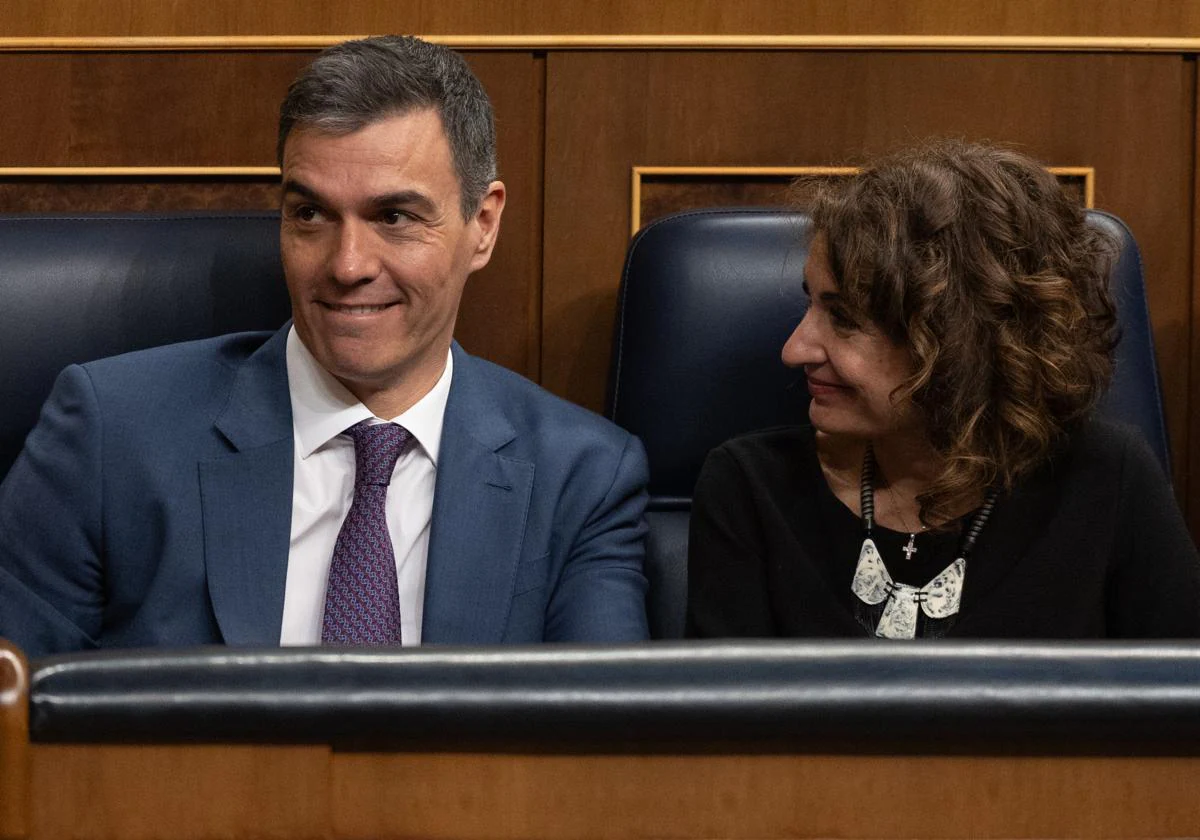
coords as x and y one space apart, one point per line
822 388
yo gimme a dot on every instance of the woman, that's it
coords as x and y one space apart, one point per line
950 482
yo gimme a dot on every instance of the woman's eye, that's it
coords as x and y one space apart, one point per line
841 320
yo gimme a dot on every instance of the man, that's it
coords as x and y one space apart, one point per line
355 478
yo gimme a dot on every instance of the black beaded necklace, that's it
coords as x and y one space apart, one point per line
872 584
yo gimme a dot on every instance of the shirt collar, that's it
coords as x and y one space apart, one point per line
323 408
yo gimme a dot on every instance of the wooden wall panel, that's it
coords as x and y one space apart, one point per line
143 109
149 792
220 109
1150 18
1129 116
200 791
502 307
98 194
15 758
756 797
1192 501
661 191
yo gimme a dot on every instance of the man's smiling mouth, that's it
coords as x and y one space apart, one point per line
358 309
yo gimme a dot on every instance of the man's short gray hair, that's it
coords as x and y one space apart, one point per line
356 83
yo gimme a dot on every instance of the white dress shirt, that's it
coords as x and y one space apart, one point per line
322 410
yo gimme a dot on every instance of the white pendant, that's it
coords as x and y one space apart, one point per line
940 598
899 619
871 583
943 594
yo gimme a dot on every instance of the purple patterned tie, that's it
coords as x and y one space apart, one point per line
362 602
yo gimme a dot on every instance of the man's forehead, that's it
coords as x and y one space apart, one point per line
382 162
338 127
413 133
413 139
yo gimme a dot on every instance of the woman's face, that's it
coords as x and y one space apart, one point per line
852 368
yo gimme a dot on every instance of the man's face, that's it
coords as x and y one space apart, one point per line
376 252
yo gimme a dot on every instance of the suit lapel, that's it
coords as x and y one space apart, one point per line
246 497
481 503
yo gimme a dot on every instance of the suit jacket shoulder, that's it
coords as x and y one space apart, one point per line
111 517
180 388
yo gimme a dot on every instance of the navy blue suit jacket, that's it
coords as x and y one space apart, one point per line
152 505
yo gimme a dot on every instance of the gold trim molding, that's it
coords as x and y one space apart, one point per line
948 43
640 172
1087 173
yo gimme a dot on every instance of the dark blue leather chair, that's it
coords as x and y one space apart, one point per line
81 287
707 299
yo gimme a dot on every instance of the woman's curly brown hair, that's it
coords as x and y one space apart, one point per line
973 258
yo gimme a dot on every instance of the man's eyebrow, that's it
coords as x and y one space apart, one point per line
401 198
293 186
405 198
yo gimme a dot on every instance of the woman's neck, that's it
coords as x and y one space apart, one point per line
906 465
906 462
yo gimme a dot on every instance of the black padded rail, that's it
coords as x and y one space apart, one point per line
922 697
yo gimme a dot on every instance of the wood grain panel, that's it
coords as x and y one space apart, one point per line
661 192
267 791
485 797
1160 18
500 317
144 109
98 194
1128 116
14 742
154 792
220 109
1192 508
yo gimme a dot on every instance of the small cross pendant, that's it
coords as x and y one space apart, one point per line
910 549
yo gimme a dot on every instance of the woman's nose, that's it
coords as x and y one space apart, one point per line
803 347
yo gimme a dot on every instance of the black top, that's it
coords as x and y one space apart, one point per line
1091 546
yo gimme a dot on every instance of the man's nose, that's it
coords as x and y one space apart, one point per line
803 346
356 258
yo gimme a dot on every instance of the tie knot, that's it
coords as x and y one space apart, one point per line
376 449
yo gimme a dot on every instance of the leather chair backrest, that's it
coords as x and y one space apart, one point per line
82 287
708 298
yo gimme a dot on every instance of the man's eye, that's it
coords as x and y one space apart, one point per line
392 217
307 213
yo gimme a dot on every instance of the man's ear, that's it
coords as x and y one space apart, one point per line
487 221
